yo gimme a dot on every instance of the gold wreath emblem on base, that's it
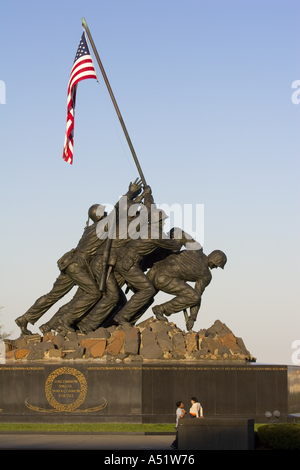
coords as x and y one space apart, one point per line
60 407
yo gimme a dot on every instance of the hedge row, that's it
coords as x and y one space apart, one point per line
280 436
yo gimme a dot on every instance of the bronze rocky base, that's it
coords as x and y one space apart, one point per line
149 340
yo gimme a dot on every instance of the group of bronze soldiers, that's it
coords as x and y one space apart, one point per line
105 260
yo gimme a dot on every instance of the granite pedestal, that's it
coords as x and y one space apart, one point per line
216 434
144 393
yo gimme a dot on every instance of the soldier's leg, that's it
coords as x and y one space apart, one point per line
106 304
61 287
144 292
84 298
141 311
109 321
185 296
53 323
103 307
76 274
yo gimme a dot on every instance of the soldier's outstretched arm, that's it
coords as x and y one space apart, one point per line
169 244
200 286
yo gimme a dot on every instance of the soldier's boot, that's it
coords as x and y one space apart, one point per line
45 328
159 311
64 326
22 324
119 319
84 327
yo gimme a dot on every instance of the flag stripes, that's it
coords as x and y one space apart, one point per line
83 68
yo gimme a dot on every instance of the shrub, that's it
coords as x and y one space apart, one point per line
280 436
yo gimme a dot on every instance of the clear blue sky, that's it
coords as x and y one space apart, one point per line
205 91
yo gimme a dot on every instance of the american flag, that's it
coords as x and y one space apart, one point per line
82 69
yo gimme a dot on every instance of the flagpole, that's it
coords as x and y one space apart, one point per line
85 26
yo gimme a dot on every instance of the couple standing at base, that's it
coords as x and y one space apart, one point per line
196 411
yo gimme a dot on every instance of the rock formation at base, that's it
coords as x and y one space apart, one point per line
150 340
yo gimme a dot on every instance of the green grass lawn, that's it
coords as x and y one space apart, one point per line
90 427
86 427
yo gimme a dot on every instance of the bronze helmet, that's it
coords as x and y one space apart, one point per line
218 258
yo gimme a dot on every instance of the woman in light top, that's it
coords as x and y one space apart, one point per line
196 410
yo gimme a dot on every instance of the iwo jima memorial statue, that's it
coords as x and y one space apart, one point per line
127 247
97 355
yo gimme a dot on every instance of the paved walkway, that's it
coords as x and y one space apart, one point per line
84 442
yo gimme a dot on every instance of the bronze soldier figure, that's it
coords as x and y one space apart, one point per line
110 290
128 266
172 274
74 270
126 259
